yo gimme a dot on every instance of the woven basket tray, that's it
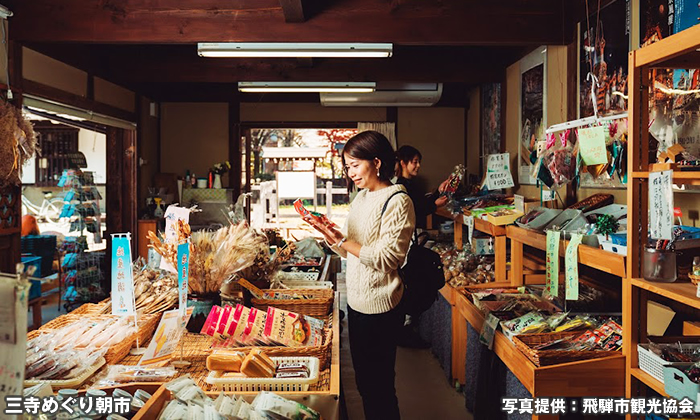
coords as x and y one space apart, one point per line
319 305
146 326
553 357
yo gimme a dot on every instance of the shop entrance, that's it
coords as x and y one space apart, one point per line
276 157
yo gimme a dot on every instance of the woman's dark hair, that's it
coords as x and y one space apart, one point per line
406 154
369 145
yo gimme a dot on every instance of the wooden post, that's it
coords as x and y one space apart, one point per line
458 232
516 262
459 345
500 251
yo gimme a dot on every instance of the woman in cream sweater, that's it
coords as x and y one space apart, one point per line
375 246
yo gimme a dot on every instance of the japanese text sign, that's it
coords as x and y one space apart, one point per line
592 145
661 205
498 172
122 275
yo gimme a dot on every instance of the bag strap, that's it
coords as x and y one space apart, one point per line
415 233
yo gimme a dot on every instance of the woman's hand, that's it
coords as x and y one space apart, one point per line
442 201
333 236
443 186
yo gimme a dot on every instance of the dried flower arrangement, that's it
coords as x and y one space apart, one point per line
17 143
214 256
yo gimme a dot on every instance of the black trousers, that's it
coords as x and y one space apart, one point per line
373 341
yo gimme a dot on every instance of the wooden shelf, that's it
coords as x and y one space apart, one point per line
676 51
596 377
687 178
649 381
599 259
684 293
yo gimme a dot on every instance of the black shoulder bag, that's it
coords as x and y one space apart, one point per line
422 275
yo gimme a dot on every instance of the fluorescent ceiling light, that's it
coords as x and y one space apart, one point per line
303 87
293 49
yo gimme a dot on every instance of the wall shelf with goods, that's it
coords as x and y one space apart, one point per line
82 275
678 51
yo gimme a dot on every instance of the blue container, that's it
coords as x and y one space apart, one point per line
28 260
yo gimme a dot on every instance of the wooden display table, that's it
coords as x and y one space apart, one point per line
599 259
604 377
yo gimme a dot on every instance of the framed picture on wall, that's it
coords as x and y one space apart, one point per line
491 123
533 111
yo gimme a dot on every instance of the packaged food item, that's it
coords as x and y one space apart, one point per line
576 323
275 406
225 360
318 217
290 329
518 325
122 374
255 327
257 365
287 367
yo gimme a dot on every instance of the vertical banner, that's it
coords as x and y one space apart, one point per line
661 205
173 214
183 274
571 266
552 287
122 275
13 344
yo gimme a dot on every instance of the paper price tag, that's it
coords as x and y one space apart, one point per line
488 331
519 202
548 195
592 145
552 287
661 205
469 222
166 338
571 266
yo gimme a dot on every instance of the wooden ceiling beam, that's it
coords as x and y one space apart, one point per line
294 10
409 22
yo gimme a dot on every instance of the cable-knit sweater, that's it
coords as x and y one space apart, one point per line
373 282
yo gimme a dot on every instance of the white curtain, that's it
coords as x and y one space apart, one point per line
386 128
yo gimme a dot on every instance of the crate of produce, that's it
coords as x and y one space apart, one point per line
244 384
653 364
311 302
527 344
677 384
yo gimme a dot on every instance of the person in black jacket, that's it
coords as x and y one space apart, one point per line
409 159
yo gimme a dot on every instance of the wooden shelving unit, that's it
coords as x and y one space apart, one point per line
677 51
598 377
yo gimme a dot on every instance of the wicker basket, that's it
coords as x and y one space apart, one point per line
146 326
525 342
319 305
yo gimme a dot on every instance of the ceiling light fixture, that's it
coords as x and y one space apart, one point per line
294 49
306 87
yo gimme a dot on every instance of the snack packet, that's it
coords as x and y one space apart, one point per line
319 217
291 329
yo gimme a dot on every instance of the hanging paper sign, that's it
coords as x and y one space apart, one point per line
498 172
552 287
488 331
548 195
183 274
469 221
661 205
519 202
173 214
166 337
13 346
571 266
592 145
122 275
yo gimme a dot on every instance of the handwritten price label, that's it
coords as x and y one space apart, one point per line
498 172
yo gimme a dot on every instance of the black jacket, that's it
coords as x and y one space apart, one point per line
423 204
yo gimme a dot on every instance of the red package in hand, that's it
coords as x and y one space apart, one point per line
320 218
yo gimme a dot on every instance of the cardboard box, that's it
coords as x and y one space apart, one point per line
659 317
691 328
506 219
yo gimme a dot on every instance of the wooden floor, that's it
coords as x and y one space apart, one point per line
421 386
